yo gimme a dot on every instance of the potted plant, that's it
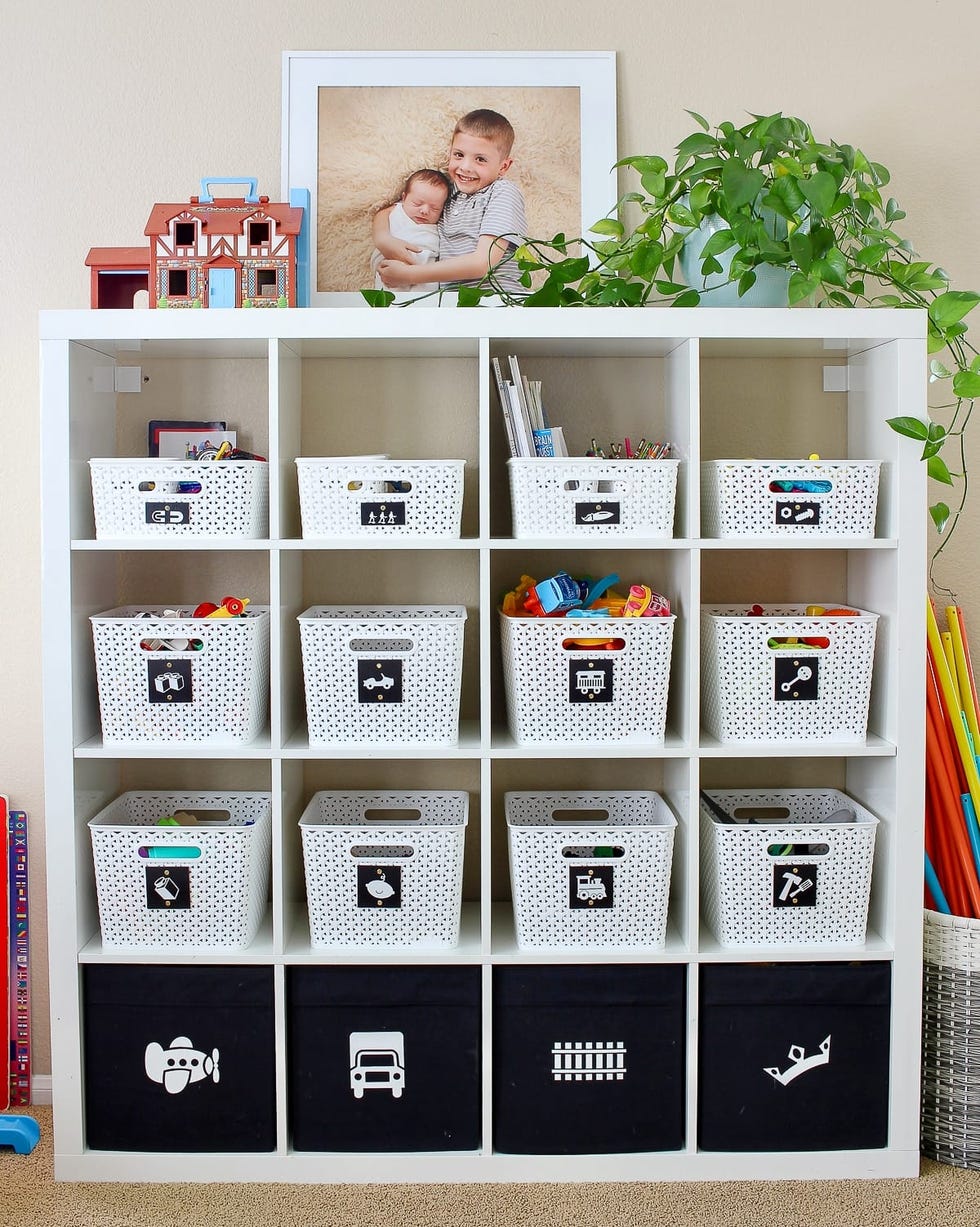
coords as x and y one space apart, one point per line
767 202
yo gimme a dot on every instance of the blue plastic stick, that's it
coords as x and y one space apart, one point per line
972 828
934 888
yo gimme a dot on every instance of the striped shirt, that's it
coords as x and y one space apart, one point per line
497 210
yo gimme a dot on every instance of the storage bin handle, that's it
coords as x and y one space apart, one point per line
392 816
169 852
578 816
798 850
595 853
375 646
381 852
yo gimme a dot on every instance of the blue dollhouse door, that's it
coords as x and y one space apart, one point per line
221 287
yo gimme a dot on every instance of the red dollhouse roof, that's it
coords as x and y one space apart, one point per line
224 216
119 258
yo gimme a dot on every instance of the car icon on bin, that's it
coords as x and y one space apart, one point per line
385 682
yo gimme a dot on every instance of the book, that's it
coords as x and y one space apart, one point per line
522 427
505 407
550 441
156 425
193 444
19 998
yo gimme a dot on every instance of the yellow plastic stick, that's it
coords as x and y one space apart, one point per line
949 699
947 641
962 672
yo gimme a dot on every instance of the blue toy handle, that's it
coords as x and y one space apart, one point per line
252 196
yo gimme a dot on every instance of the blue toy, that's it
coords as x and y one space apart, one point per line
21 1132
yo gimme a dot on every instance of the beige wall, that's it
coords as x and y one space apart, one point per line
108 106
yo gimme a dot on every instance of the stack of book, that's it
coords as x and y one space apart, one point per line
529 432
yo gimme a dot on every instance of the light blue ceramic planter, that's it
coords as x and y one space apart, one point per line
771 287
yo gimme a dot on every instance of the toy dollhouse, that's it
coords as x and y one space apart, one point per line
212 252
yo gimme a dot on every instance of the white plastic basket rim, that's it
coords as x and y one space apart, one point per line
375 465
357 801
382 613
589 462
157 615
154 463
772 613
658 812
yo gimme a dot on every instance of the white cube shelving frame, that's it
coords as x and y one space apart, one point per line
885 354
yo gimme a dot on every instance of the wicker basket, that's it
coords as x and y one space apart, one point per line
584 497
187 887
950 1121
755 689
380 499
797 879
558 690
768 498
600 882
382 674
179 498
215 693
375 883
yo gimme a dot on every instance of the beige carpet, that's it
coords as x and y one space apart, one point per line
941 1197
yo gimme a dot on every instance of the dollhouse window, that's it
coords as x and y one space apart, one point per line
177 283
185 234
266 284
258 234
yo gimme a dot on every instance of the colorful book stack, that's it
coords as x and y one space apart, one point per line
14 937
952 851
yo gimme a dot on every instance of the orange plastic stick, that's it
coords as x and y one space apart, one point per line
953 823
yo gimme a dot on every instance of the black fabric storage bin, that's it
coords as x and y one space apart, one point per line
179 1058
588 1059
794 1057
384 1058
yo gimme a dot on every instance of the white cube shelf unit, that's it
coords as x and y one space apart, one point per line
417 384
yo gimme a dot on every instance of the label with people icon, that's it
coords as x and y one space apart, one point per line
382 515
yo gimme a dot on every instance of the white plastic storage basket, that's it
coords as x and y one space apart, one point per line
559 690
216 693
187 887
793 869
585 497
379 499
382 674
756 687
589 870
180 498
384 868
789 498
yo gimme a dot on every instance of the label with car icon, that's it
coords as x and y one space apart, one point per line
379 681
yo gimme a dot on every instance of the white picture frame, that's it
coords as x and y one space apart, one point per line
355 123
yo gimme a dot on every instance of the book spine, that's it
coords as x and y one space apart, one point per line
20 1011
505 406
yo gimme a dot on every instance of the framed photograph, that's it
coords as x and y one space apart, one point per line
356 125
